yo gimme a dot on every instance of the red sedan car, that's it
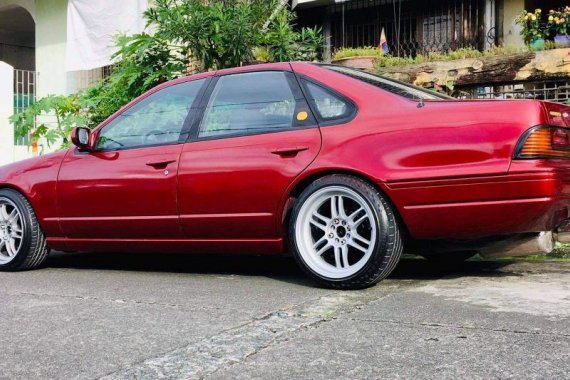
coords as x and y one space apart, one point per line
339 167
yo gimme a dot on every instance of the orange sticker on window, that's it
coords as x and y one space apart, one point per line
302 116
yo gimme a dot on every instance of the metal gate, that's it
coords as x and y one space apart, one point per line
414 27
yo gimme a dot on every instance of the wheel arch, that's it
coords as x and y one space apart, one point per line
303 182
19 190
9 186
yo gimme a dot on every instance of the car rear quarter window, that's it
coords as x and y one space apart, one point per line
250 103
329 105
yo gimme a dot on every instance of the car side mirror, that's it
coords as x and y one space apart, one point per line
81 138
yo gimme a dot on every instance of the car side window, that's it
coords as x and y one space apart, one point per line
158 119
249 103
329 105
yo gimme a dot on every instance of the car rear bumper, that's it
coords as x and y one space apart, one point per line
520 202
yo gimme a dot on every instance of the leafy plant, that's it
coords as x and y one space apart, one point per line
280 39
549 45
559 21
144 62
284 43
57 114
309 42
261 53
366 51
532 28
384 61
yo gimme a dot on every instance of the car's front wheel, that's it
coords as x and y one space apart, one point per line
22 243
344 233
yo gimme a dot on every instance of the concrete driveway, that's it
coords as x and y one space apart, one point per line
117 316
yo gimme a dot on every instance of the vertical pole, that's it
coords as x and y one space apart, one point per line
489 23
327 53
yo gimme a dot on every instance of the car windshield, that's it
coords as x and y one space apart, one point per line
391 85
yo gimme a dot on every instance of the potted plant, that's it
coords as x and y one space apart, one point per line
532 30
363 58
558 23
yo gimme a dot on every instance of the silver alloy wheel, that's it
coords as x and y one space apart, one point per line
11 230
335 232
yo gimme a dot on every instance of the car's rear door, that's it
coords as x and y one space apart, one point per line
256 135
127 187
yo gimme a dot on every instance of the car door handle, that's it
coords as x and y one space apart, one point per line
289 152
160 164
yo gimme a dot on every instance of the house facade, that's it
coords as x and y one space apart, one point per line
417 26
34 42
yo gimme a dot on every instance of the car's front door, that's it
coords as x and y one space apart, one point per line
126 188
255 136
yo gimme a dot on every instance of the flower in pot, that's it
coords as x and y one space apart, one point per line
558 24
532 30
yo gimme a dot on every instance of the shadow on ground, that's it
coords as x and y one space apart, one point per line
410 268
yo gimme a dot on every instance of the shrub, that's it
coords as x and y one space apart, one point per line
357 52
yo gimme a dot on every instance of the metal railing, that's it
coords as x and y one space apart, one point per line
414 27
554 91
79 80
25 82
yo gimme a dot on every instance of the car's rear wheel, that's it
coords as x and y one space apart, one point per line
22 243
344 233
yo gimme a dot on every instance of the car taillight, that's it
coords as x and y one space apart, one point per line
544 142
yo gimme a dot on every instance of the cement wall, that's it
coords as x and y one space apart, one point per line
511 31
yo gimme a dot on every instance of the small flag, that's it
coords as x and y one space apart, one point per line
384 43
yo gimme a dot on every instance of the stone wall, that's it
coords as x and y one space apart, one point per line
531 66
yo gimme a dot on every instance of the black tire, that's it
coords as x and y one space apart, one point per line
388 246
33 248
449 257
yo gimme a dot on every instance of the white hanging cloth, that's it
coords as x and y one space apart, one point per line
92 27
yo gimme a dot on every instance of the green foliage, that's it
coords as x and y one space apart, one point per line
535 25
219 33
285 44
367 51
280 39
261 53
384 61
144 62
532 28
561 251
57 115
309 43
559 21
549 45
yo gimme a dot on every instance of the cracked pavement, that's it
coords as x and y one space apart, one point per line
131 316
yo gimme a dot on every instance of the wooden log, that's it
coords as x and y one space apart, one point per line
530 66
